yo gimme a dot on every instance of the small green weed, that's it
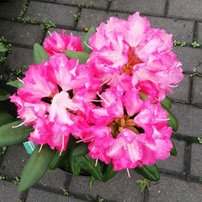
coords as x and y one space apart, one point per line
143 184
46 24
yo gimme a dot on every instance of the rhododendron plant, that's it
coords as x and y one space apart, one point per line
99 105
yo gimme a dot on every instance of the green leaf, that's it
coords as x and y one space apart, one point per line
16 83
3 47
5 118
35 167
58 160
108 172
80 160
150 172
81 56
75 160
173 152
172 119
11 136
4 95
167 103
89 165
86 39
40 55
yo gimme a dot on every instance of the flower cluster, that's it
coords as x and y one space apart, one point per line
113 102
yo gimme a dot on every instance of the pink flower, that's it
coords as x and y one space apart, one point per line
47 101
138 138
58 43
137 50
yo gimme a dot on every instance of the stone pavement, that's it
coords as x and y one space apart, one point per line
181 176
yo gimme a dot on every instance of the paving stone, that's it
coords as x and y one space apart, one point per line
200 33
182 91
95 17
14 161
170 189
185 9
8 192
174 163
197 90
16 61
49 1
181 29
21 33
152 7
43 196
119 188
54 178
10 9
61 15
86 3
196 160
76 33
190 58
189 118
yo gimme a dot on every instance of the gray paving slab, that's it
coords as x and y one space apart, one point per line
54 179
119 189
152 7
86 3
95 17
61 15
24 34
174 163
190 9
15 59
196 160
197 90
181 92
8 192
181 29
14 160
10 9
49 1
190 58
199 39
36 195
189 118
170 189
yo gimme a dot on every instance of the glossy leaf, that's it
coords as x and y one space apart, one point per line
149 172
35 167
173 152
58 160
40 55
80 160
108 172
172 119
4 95
86 39
5 118
81 56
16 83
11 136
89 165
75 158
167 103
